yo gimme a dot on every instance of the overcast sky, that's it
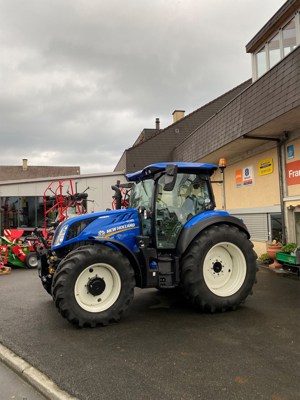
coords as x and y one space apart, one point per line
80 79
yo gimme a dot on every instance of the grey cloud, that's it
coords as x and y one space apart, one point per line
86 77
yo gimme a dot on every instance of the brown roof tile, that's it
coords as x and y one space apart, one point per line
11 172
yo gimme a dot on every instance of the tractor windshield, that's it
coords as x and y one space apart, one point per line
141 194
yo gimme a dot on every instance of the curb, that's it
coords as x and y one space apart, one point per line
33 376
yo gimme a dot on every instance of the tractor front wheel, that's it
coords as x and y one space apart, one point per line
219 269
93 286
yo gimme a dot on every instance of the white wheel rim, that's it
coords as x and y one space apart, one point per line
224 269
32 261
97 302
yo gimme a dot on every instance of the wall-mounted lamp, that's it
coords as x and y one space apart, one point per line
222 166
222 163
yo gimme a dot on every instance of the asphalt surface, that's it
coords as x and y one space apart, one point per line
161 349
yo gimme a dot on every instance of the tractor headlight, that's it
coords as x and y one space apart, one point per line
59 238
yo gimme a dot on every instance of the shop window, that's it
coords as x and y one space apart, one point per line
21 212
289 37
9 212
40 211
26 212
276 227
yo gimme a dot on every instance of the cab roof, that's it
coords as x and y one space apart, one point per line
150 170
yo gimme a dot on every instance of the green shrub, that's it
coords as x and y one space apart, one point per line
289 248
265 259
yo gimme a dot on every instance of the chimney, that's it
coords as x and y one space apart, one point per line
157 124
25 164
177 115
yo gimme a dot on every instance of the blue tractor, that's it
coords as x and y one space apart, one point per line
170 236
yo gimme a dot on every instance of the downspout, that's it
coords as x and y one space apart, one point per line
282 182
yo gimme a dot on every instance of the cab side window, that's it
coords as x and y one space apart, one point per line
189 197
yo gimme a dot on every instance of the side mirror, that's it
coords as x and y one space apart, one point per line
170 177
117 196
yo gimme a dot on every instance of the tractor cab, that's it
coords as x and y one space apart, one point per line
168 196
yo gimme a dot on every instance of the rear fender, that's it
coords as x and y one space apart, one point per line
125 250
191 230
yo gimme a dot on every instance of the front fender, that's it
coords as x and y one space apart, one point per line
195 226
125 250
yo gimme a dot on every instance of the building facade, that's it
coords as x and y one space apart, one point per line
257 131
255 127
23 201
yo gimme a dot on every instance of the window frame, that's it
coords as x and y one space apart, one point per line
256 75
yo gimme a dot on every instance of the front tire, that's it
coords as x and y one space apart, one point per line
93 286
219 269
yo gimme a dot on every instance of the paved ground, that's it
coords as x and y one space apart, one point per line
13 387
162 349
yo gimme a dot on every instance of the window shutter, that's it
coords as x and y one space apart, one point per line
257 225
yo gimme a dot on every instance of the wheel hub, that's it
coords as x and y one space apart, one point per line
217 267
96 286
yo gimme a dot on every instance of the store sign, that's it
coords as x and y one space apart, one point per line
290 152
293 173
239 177
265 166
247 176
244 177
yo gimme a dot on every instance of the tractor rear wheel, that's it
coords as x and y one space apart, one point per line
219 269
93 286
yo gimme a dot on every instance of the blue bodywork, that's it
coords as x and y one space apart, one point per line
119 225
123 225
204 216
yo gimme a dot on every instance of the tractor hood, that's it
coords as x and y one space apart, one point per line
122 225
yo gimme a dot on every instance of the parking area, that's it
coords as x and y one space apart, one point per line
161 348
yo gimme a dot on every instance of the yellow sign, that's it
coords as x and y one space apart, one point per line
265 166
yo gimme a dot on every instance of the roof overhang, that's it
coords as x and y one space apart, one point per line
272 26
258 140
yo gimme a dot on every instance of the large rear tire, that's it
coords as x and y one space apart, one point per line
219 269
93 286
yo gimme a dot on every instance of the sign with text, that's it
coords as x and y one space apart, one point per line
265 166
293 173
247 176
244 177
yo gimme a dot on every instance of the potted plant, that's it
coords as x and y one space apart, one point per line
272 250
289 248
289 254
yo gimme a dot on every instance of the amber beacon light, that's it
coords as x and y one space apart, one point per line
222 163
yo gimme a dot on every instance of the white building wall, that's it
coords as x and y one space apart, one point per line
99 192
